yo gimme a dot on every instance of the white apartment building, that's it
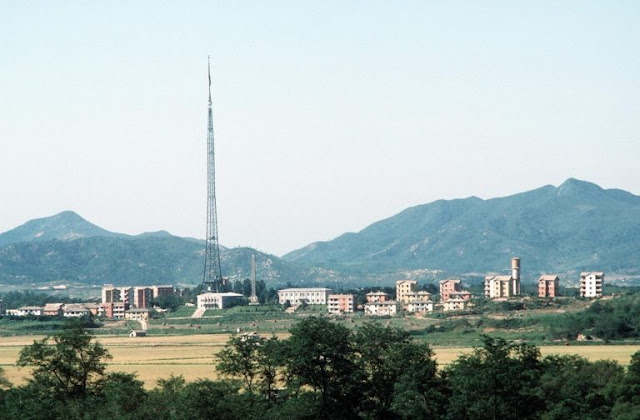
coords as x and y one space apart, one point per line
310 295
591 284
419 306
389 308
25 311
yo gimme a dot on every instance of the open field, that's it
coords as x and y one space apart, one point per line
192 356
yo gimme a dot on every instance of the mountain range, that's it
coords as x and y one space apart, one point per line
576 226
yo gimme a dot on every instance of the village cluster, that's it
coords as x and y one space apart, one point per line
452 298
134 302
131 303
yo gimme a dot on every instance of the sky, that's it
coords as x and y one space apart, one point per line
328 115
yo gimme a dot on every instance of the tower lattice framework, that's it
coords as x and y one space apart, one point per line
212 279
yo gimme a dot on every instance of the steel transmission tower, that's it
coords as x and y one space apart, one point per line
212 279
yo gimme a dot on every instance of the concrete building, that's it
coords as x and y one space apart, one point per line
135 297
52 309
25 311
591 284
112 310
389 308
310 295
137 333
455 305
136 314
75 310
340 304
111 294
378 296
548 286
449 286
405 287
212 300
498 287
417 306
504 286
142 296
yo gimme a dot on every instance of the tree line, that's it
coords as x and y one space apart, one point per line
326 371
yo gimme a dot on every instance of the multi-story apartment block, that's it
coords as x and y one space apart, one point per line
591 284
504 286
378 296
389 308
403 288
142 296
117 294
310 295
498 287
548 286
447 287
112 310
135 297
340 304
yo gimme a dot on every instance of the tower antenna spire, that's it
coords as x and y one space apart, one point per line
212 279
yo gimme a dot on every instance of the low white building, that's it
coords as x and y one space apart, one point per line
591 284
419 306
25 311
75 310
389 308
310 295
212 300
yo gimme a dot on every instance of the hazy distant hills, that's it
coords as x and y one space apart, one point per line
63 226
67 248
576 226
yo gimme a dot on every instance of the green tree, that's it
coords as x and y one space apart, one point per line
240 358
121 397
495 381
573 387
319 355
401 378
73 366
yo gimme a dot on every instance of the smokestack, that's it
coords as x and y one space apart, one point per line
515 274
253 300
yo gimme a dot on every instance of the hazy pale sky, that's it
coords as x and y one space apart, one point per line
328 115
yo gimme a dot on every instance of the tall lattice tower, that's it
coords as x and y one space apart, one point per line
212 279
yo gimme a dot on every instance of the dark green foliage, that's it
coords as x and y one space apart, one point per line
320 355
613 319
73 367
496 381
170 302
325 371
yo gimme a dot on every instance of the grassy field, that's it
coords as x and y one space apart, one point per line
156 357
